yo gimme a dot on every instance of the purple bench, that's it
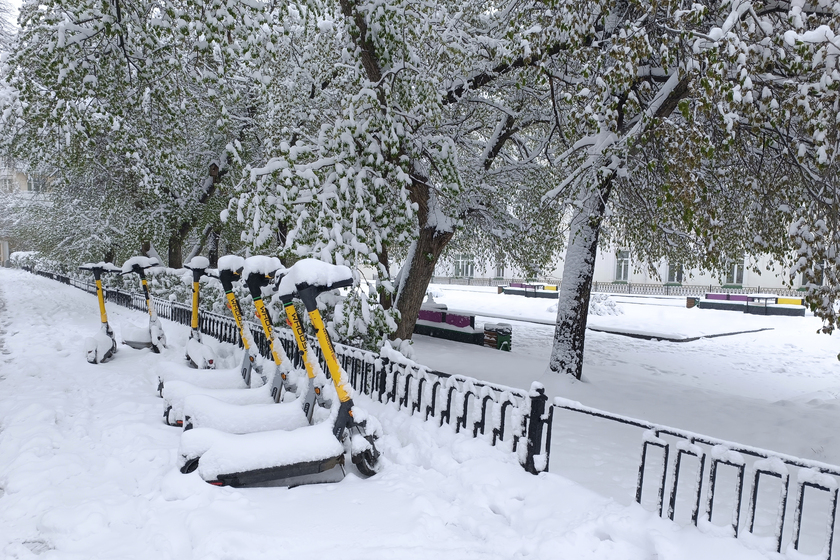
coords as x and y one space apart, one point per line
459 320
728 297
516 285
433 316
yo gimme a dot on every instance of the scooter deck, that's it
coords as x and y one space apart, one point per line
137 345
176 392
286 475
256 458
208 379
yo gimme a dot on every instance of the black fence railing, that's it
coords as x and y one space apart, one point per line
504 416
630 288
695 290
700 489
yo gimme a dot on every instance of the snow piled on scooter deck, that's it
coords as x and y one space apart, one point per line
222 453
207 412
175 392
138 335
210 379
89 471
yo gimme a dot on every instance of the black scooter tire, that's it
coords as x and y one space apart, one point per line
190 466
367 462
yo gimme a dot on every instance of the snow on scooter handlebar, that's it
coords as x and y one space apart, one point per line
312 272
139 263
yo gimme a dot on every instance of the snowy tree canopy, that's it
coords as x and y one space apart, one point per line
140 99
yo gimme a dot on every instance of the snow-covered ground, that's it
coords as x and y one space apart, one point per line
88 468
776 389
766 389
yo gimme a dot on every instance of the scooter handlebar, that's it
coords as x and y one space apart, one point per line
102 266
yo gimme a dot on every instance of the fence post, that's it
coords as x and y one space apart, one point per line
536 423
383 378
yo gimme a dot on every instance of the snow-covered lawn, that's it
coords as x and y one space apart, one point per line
776 388
87 466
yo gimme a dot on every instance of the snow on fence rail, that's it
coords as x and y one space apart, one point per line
685 290
502 416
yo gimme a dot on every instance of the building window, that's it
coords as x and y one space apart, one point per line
675 273
500 269
464 265
622 266
735 272
35 183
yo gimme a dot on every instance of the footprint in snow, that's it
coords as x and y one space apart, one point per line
37 546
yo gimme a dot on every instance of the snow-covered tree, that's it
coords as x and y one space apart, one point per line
142 99
664 99
402 129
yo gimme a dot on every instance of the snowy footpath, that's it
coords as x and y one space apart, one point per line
87 470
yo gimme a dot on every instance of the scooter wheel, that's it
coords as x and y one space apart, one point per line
367 462
190 465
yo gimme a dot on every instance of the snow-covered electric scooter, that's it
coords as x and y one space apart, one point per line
204 411
152 337
315 277
198 354
228 272
102 346
291 457
258 273
255 271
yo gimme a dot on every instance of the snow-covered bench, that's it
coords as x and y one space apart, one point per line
435 320
754 304
530 290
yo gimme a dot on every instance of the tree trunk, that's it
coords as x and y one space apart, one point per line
213 248
578 270
176 244
175 258
417 272
385 297
414 280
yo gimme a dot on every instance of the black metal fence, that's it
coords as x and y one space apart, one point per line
504 416
650 289
674 451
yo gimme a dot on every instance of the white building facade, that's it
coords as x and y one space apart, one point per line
618 266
